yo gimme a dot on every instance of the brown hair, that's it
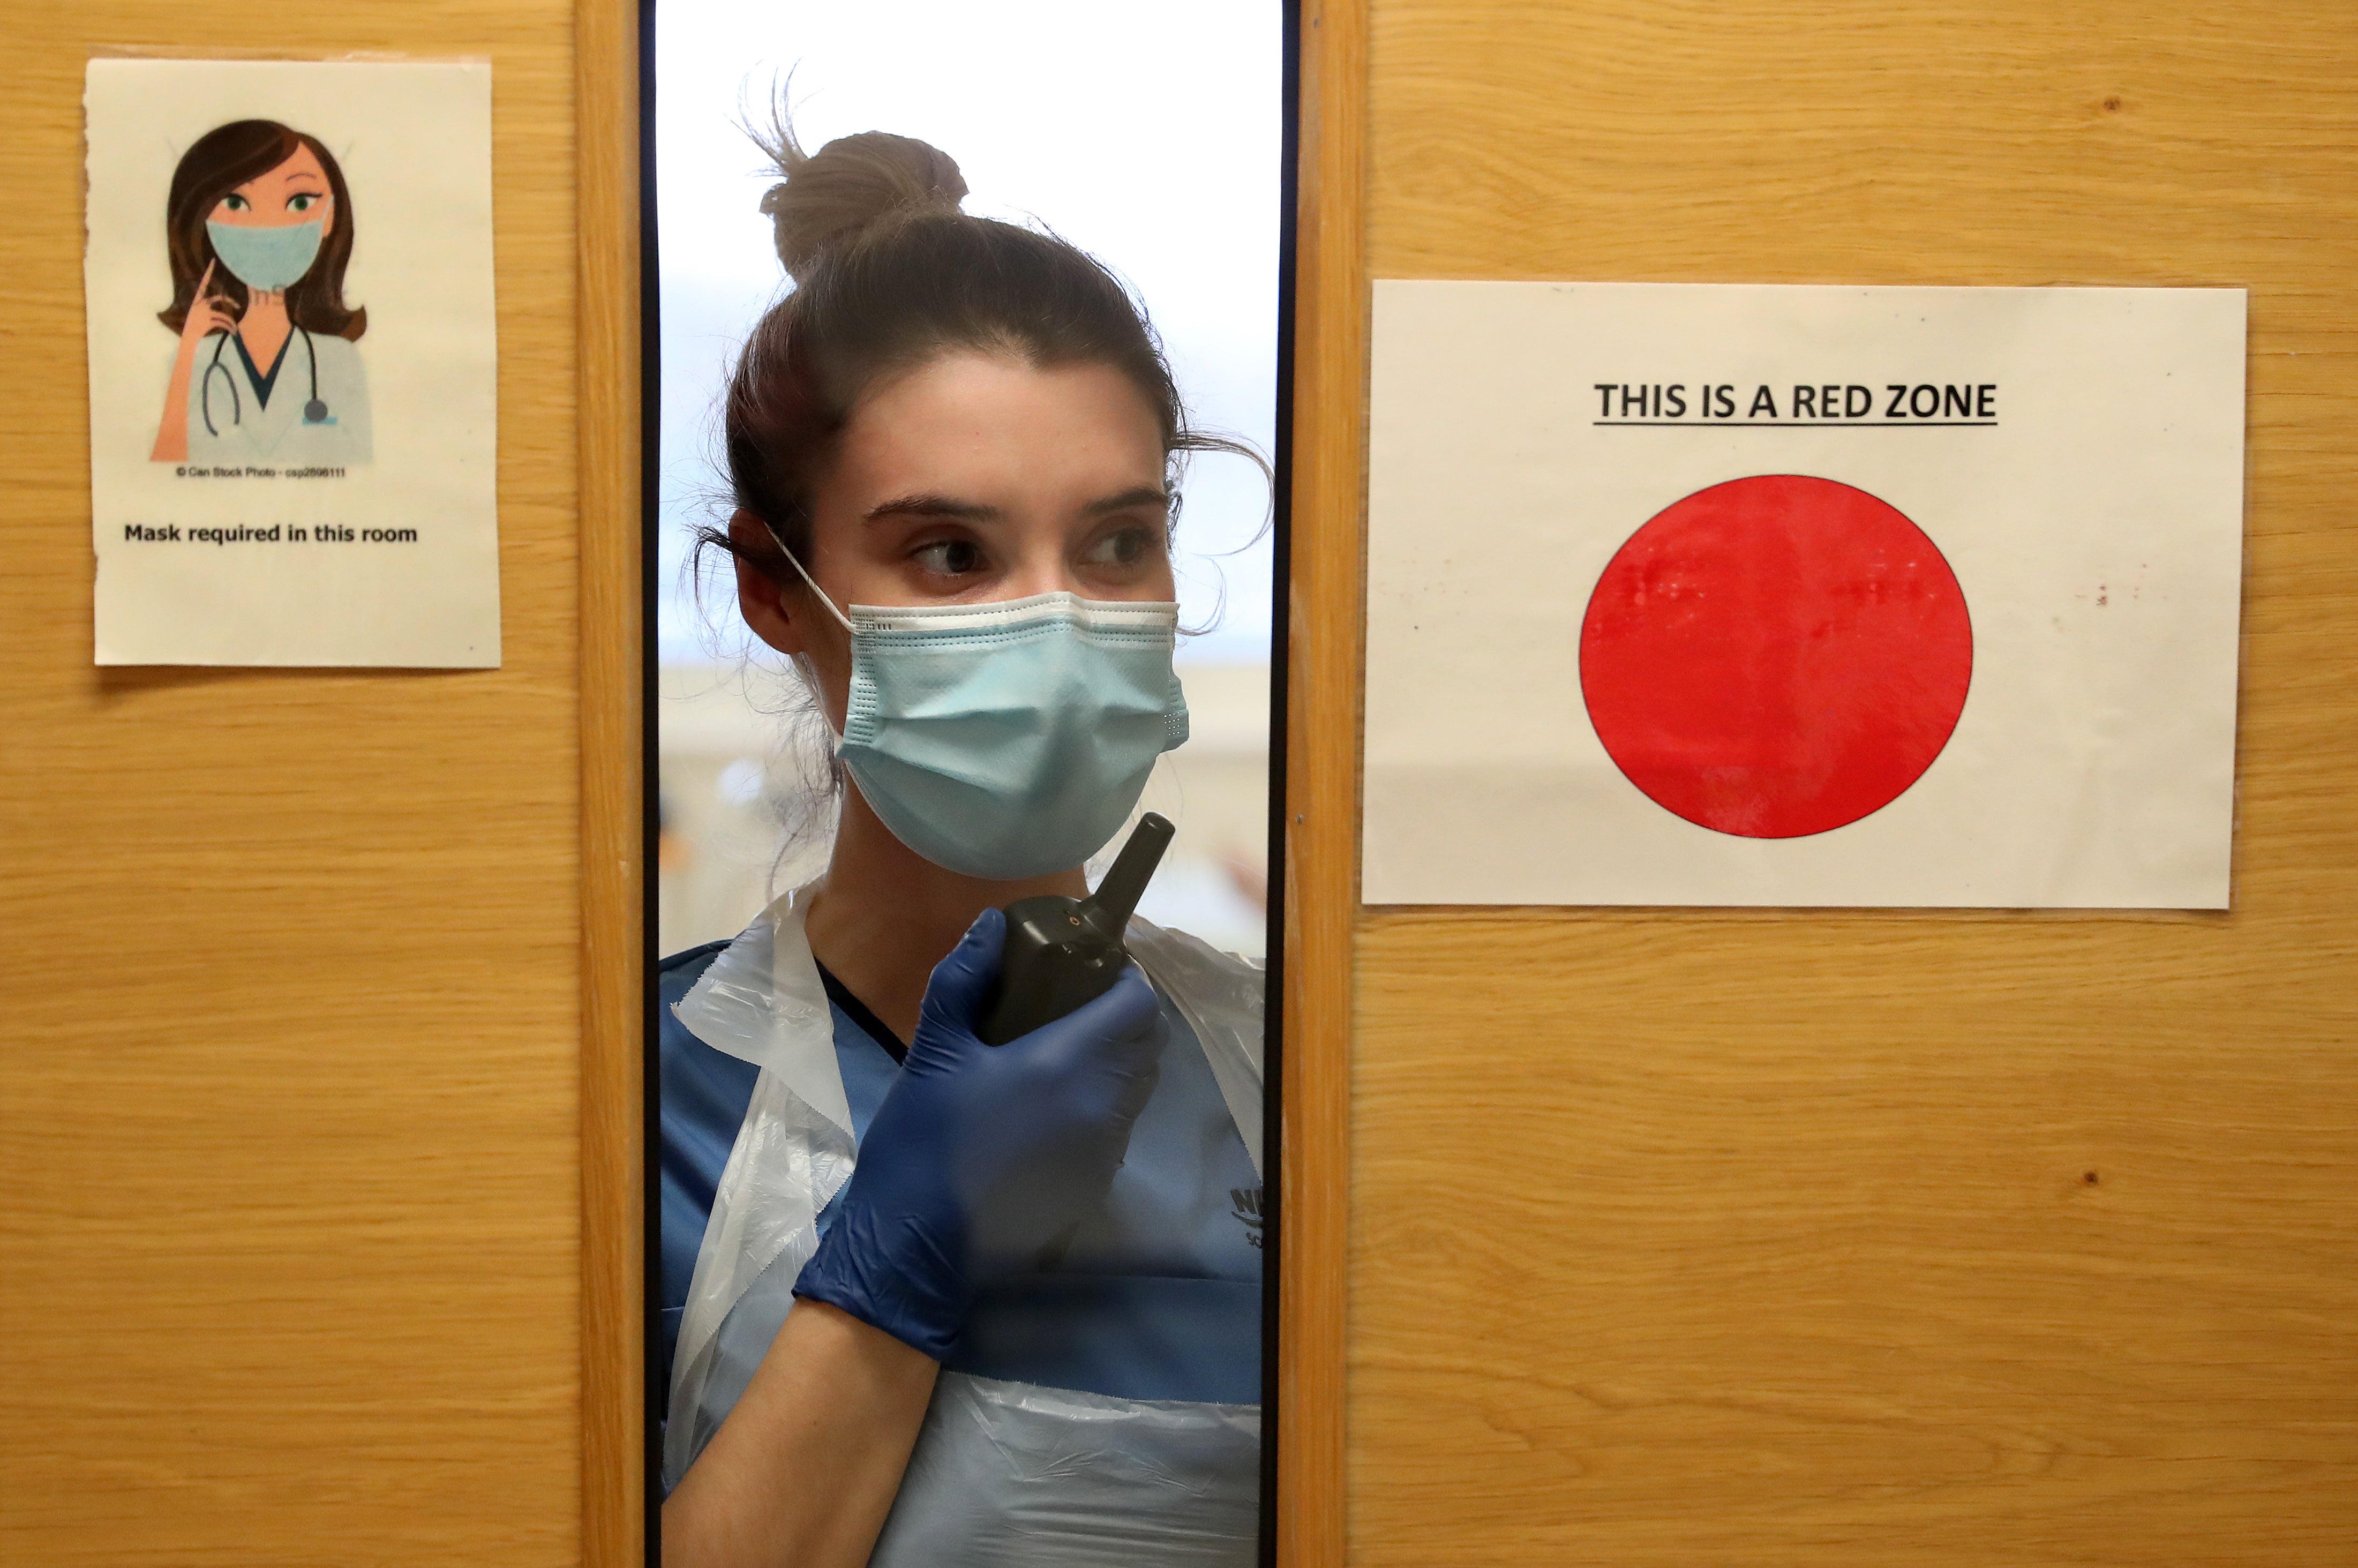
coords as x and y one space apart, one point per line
890 275
223 159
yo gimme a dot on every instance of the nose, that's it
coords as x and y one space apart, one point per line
1041 566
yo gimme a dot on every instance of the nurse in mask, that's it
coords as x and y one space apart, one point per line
930 1302
259 228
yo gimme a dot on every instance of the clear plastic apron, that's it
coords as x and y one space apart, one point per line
1002 1473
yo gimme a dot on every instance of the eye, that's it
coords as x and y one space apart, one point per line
1123 548
235 203
301 203
949 558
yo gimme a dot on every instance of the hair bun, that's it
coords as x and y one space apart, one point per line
850 185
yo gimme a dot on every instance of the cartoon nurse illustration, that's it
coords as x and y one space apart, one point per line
259 226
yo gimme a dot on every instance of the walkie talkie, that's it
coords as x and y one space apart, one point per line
1061 952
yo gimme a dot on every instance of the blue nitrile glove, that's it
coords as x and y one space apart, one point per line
980 1155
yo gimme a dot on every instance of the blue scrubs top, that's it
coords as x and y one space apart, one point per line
1158 1296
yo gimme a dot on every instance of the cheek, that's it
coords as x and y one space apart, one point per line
831 670
1163 574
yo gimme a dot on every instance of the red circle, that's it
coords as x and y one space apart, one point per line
1776 656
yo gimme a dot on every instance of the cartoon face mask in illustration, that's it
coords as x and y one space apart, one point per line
267 259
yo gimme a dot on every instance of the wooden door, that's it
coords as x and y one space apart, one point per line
289 1115
1821 1239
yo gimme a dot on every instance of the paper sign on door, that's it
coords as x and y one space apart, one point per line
293 363
1686 594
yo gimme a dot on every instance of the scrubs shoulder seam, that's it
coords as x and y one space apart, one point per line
687 957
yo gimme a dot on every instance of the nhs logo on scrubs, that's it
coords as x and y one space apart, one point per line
1248 1209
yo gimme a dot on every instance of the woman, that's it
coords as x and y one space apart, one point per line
259 228
931 1302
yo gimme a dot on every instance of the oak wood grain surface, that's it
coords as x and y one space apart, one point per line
289 1178
1321 874
1737 1237
614 1434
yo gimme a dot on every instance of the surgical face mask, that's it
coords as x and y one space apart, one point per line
267 259
1011 739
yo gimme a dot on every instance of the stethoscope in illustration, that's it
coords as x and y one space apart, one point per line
314 412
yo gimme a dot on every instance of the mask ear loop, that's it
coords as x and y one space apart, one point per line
841 620
802 661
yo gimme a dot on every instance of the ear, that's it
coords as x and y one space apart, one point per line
775 613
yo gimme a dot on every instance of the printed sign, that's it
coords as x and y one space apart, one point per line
1684 594
293 363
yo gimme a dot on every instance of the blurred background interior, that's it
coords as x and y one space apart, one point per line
1147 135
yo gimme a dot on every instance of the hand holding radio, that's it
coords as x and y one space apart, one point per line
980 1157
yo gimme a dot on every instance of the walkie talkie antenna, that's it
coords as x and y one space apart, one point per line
1118 895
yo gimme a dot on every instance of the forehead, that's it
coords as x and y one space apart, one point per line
982 421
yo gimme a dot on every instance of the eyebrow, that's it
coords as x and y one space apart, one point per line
292 189
934 505
1139 495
